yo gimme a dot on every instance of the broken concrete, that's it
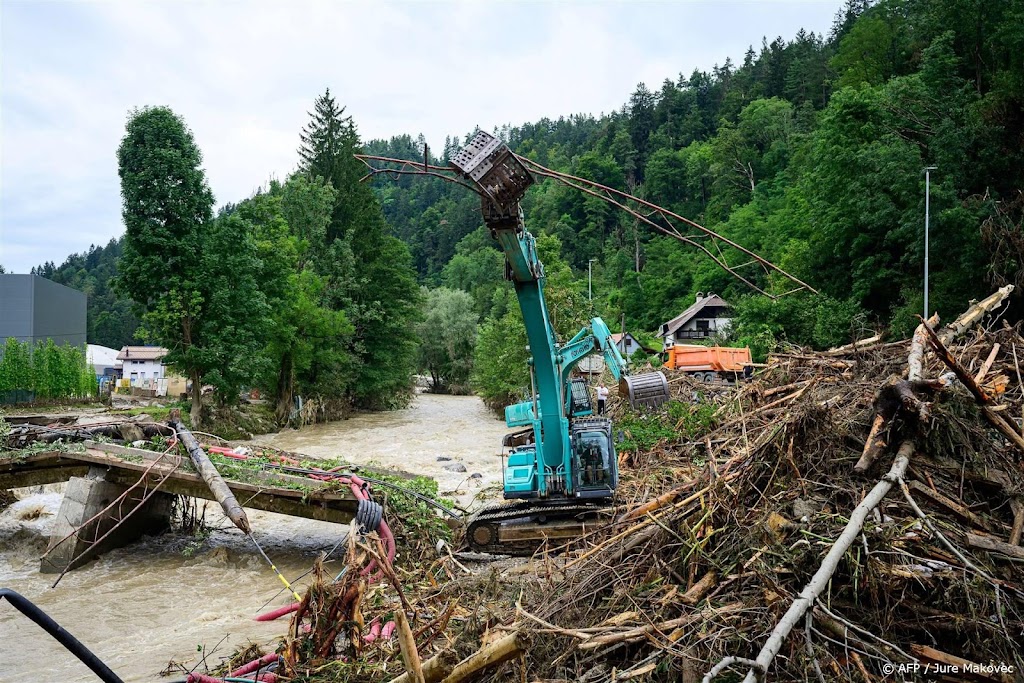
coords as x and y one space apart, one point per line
84 498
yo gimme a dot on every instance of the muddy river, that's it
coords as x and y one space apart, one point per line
165 600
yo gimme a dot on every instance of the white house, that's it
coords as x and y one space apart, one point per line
141 363
628 344
707 316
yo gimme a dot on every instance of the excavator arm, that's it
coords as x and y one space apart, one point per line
502 180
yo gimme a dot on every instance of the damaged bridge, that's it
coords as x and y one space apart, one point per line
115 494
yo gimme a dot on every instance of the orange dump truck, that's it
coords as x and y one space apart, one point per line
709 363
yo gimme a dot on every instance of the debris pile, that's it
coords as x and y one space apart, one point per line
767 561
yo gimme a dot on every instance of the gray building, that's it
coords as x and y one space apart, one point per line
35 309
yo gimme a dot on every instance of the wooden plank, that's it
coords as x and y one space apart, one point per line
962 669
956 508
42 476
992 545
338 511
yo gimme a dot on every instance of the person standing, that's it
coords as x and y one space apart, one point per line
602 396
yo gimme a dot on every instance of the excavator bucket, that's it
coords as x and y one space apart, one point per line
649 390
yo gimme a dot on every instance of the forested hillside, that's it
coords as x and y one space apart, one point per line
810 151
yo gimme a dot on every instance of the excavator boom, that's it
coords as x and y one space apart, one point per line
568 464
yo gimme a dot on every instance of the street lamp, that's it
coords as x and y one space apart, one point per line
927 196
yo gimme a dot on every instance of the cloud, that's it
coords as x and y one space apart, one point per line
244 76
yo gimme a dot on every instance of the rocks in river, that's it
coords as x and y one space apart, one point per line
476 475
443 458
455 467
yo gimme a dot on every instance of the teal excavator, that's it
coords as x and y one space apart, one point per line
561 470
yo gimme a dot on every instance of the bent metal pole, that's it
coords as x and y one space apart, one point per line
210 475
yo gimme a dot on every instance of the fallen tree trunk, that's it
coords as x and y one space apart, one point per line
994 546
502 650
974 314
210 474
434 669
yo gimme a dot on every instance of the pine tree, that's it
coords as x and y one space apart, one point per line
328 142
369 272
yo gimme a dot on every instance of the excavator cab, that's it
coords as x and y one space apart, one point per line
596 465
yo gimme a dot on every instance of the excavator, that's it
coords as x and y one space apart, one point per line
561 470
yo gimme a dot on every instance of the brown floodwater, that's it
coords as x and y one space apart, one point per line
140 607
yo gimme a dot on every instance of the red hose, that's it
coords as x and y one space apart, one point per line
374 632
255 664
388 630
278 613
203 678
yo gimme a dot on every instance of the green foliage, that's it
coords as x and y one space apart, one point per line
643 431
812 320
110 319
165 268
47 373
809 152
368 273
677 420
500 374
447 336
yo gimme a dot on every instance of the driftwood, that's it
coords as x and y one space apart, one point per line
828 566
1018 521
434 669
974 314
210 474
699 589
860 345
410 655
995 546
896 395
936 657
501 650
989 409
642 632
759 667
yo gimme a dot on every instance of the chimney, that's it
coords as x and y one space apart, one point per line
700 295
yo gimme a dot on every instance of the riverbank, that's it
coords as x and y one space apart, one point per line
155 601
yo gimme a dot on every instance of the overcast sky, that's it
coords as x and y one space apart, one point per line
244 74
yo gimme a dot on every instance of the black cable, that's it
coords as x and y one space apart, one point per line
70 643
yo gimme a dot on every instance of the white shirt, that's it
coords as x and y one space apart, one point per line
602 393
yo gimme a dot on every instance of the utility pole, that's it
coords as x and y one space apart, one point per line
927 198
590 282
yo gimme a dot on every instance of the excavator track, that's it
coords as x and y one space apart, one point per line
521 527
